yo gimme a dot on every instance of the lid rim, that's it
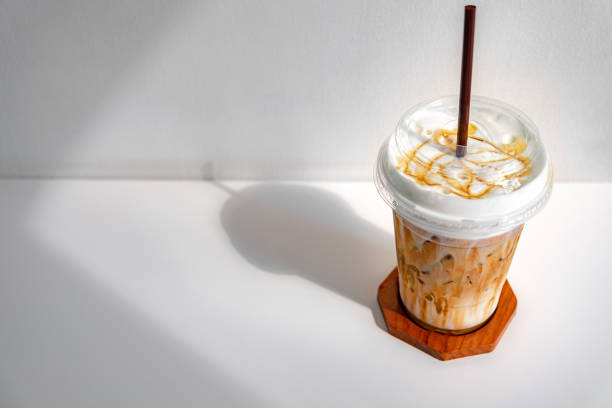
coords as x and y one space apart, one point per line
465 228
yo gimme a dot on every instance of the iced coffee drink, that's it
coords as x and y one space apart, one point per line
450 283
458 220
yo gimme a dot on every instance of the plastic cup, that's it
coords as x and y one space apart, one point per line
458 221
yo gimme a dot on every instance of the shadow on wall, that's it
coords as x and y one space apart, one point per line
62 61
309 232
67 341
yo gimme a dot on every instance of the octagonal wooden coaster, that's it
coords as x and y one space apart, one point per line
439 345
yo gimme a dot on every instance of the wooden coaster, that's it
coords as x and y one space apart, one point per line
443 346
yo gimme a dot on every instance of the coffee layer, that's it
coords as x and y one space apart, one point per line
451 284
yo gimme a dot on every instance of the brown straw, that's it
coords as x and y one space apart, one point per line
466 80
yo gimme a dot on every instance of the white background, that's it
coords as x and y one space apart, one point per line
277 89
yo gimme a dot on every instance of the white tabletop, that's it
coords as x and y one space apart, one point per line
177 294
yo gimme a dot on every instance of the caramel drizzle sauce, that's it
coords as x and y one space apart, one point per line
424 174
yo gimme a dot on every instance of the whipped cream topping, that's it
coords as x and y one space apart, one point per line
486 166
503 180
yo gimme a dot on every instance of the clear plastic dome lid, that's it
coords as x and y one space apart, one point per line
503 180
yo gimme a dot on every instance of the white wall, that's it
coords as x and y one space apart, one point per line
283 89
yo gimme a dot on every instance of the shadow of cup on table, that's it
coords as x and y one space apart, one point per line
312 233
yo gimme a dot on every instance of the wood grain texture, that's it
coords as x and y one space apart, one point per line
439 345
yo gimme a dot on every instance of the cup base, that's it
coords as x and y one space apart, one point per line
445 331
443 346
